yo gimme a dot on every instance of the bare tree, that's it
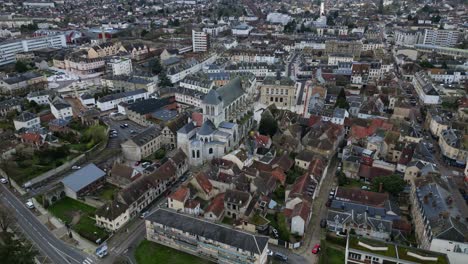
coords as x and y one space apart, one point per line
6 217
5 166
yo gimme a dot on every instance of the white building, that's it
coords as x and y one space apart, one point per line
241 30
111 101
26 120
120 66
335 59
9 48
278 18
40 97
200 41
425 88
440 37
60 108
39 4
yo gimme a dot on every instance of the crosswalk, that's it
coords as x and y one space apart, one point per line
88 261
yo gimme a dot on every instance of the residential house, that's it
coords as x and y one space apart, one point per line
26 120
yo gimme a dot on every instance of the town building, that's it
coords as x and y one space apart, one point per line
279 91
142 144
200 237
83 181
120 66
440 37
111 101
200 41
363 250
60 108
9 48
26 120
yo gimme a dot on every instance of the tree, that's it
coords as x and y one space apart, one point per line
156 67
341 100
268 125
143 33
164 81
16 251
342 180
6 217
426 64
21 67
381 7
394 184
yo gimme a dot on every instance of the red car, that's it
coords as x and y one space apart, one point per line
316 249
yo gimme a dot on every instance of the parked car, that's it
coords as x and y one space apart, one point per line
341 234
275 233
316 249
30 204
76 167
132 131
125 125
270 252
3 180
365 187
328 203
122 126
145 164
280 256
144 215
323 223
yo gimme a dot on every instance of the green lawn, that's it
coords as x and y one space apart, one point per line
331 254
107 192
66 208
149 252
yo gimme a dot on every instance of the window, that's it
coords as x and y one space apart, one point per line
354 256
210 151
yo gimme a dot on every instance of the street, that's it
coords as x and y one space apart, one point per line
319 211
55 249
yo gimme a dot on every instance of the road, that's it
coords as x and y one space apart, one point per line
56 250
319 211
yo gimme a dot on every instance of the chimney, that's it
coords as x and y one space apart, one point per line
381 187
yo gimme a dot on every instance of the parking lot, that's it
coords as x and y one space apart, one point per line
123 133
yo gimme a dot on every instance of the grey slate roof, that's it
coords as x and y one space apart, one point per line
207 128
25 116
209 230
226 94
116 96
146 135
83 177
231 91
212 98
187 128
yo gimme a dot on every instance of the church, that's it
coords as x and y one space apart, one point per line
219 132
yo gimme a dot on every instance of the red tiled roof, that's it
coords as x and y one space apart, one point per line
180 194
204 182
191 204
47 118
302 210
316 167
369 172
313 119
287 212
279 175
362 197
197 118
406 156
217 205
262 140
31 137
299 187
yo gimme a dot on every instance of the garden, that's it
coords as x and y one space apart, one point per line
29 163
79 217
